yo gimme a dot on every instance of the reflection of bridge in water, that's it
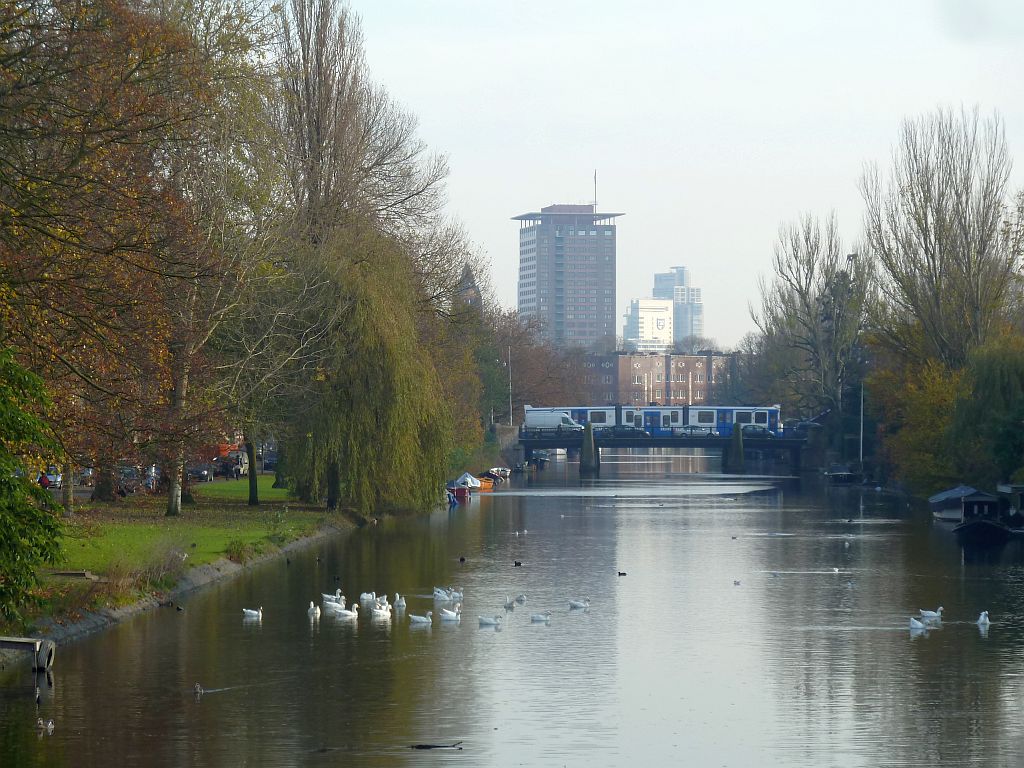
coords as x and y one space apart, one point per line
573 441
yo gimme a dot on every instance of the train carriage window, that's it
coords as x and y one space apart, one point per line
666 420
705 417
675 417
743 417
598 417
638 420
628 417
761 417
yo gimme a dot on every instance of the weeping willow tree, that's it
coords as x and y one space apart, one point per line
987 433
379 432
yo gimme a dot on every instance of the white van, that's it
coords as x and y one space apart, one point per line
543 419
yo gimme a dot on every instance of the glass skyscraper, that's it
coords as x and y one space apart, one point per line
688 311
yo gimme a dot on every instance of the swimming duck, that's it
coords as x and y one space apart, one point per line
577 604
249 613
414 619
455 615
341 613
935 615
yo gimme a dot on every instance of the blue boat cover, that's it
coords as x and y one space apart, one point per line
940 499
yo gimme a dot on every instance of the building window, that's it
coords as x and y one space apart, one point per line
657 394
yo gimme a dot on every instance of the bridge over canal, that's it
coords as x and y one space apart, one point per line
531 441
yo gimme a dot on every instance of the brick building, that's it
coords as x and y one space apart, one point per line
662 379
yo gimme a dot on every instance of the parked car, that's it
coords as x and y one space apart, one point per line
200 473
622 430
129 479
801 428
269 461
54 478
87 477
694 430
757 430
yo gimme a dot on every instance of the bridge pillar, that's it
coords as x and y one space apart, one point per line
590 456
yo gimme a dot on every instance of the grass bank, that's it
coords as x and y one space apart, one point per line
135 551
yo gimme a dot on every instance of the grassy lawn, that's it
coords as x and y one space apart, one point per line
134 539
238 490
134 534
136 550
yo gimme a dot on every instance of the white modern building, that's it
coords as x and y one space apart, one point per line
688 310
649 325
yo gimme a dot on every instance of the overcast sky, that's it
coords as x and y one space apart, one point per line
709 124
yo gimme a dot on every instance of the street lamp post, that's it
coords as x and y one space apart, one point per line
862 423
510 385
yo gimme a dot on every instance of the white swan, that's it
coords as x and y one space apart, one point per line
442 594
382 611
414 619
455 594
539 618
382 601
935 615
399 601
367 597
983 619
577 604
249 613
489 621
341 613
337 597
520 599
510 603
314 610
455 615
917 625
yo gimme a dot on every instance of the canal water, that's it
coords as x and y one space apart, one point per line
761 621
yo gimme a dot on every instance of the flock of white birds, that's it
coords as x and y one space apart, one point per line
926 620
447 601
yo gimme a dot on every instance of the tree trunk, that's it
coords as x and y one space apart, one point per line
250 451
68 488
333 485
280 480
176 463
105 489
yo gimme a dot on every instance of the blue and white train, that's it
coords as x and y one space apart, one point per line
665 421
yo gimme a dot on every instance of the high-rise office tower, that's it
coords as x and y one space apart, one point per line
567 273
688 311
